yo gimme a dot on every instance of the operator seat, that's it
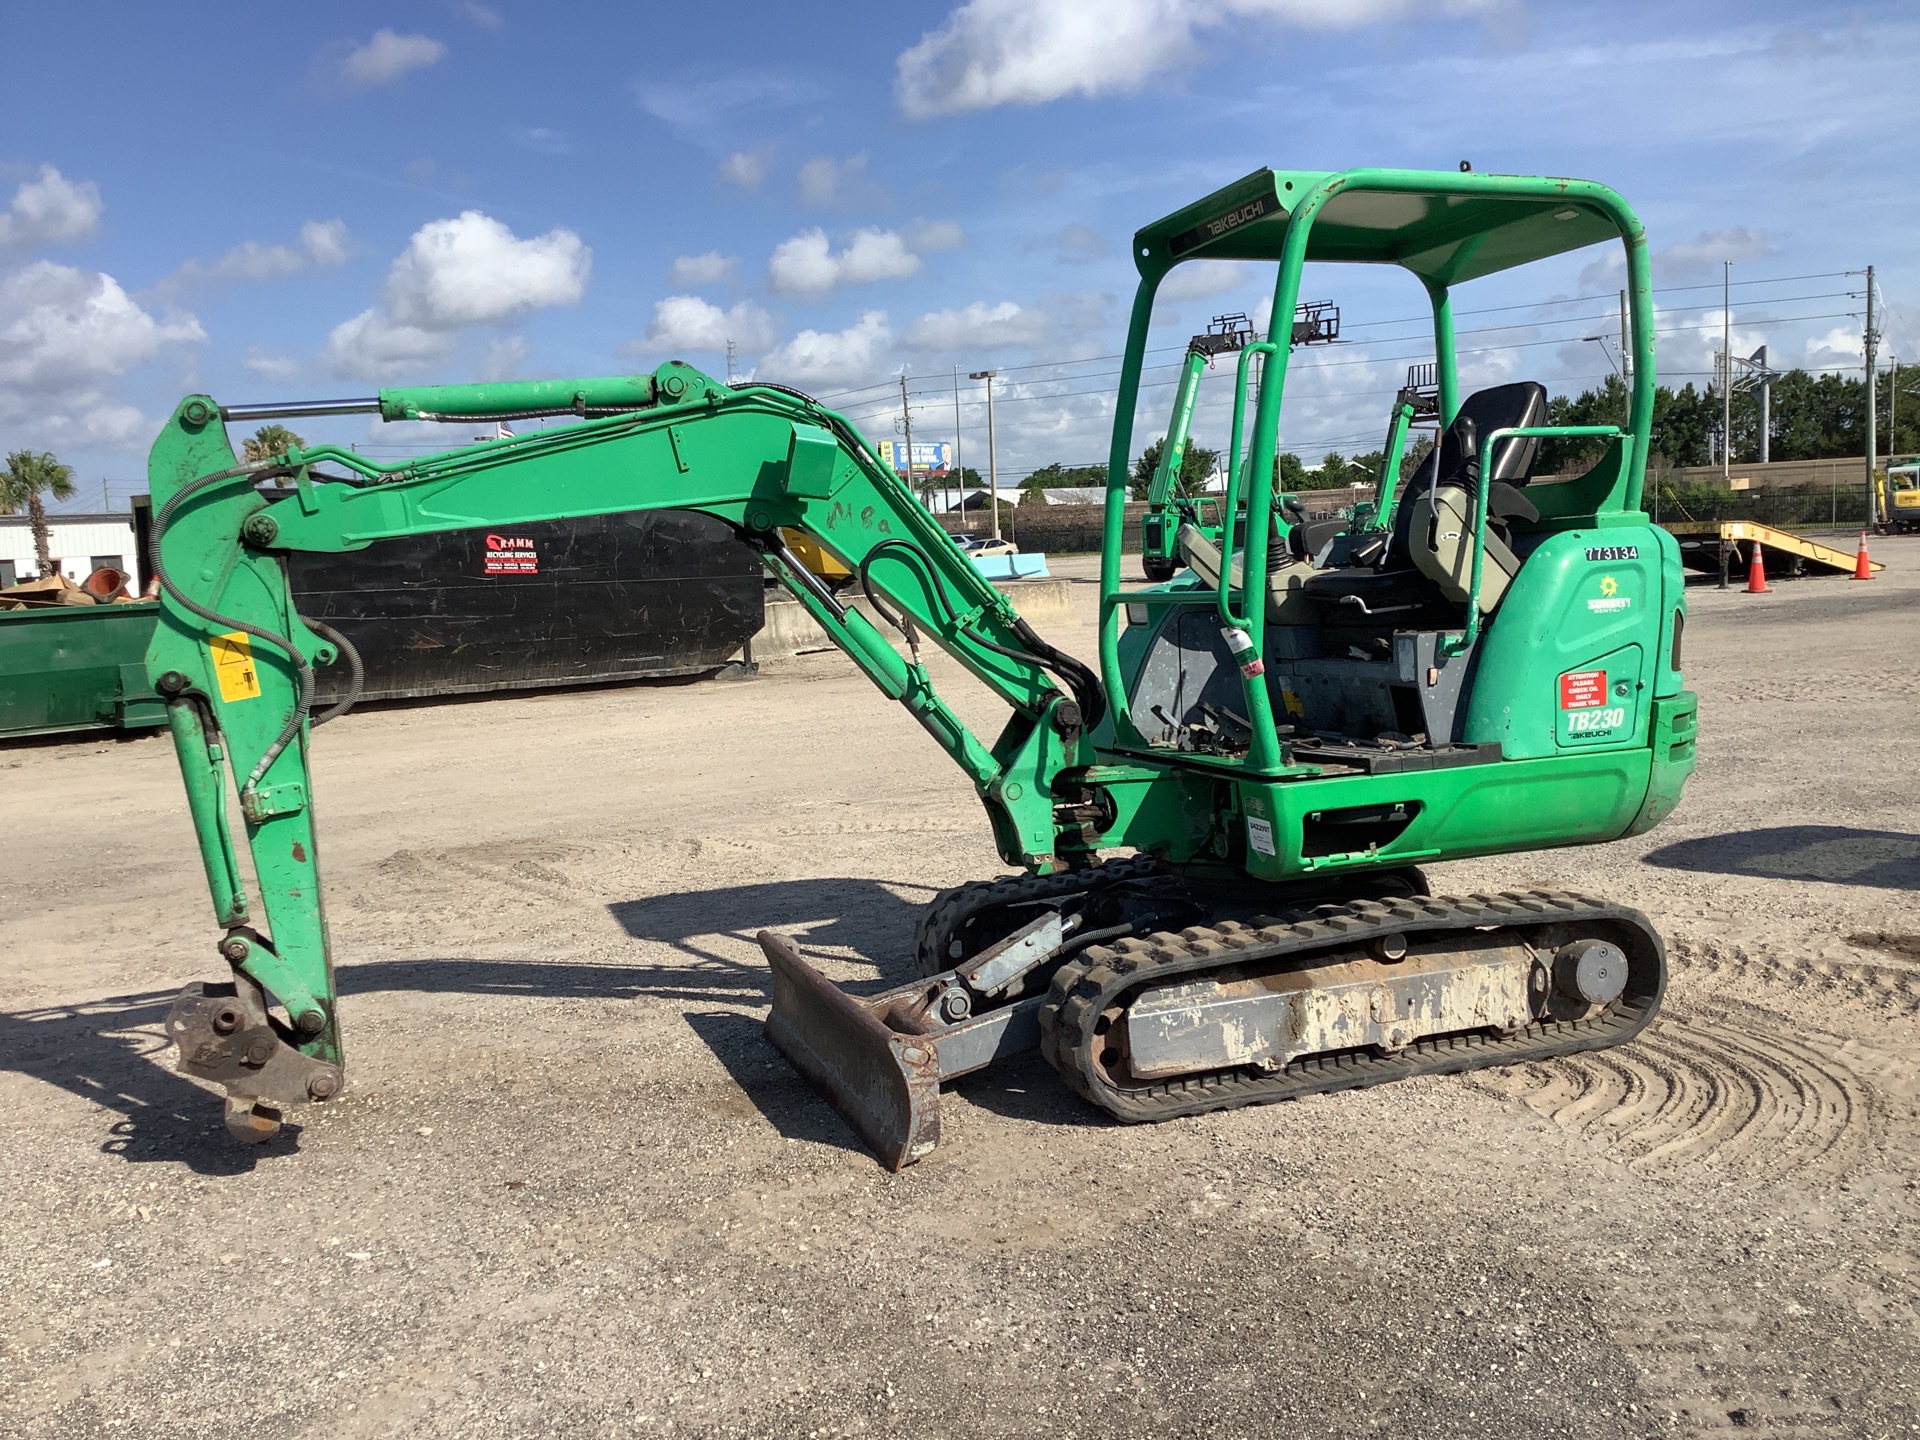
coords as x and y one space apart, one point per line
1287 600
1440 529
1430 547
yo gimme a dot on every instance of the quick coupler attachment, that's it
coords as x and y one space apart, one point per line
880 1058
227 1036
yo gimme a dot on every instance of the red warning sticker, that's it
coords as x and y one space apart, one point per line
511 555
1583 689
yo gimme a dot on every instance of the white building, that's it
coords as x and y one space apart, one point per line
80 544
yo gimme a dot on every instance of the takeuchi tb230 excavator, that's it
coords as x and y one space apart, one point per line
1217 822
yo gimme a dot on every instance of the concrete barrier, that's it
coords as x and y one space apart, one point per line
791 631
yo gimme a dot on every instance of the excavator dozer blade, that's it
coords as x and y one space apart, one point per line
884 1083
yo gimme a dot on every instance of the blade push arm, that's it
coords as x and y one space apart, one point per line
234 658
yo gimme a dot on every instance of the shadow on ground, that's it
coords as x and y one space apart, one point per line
113 1051
839 913
1836 854
768 1083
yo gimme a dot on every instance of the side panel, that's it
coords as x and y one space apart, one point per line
1471 810
1582 601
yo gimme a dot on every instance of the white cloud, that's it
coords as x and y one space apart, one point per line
707 269
470 270
63 332
745 168
806 265
1700 258
505 357
1839 346
322 243
802 265
980 326
829 184
1202 279
387 57
373 343
713 96
485 16
1080 242
272 365
1026 52
816 357
1687 262
62 327
929 237
84 418
51 210
686 323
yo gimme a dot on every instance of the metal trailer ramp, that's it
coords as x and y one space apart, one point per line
1786 553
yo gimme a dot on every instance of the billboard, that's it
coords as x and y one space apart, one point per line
930 457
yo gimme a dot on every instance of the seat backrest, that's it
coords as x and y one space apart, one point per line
1523 403
1499 407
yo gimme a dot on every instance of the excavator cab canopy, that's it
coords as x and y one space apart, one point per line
1444 228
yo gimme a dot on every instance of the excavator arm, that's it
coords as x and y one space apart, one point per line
235 660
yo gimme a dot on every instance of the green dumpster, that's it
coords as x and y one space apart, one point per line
80 667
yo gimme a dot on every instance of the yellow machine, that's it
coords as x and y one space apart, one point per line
1899 494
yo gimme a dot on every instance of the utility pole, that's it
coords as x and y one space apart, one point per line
1726 364
906 423
959 470
730 370
993 474
1626 351
1873 420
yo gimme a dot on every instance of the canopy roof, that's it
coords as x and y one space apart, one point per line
1445 227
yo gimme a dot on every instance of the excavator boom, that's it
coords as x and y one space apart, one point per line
235 660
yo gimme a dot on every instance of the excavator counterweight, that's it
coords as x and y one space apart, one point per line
1216 827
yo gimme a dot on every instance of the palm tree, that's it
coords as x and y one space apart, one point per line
269 442
21 483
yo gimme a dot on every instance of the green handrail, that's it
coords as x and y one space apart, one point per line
1232 508
1389 481
1472 632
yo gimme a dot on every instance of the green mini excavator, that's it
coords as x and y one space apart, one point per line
1217 823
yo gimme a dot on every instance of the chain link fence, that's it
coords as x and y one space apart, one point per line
1801 507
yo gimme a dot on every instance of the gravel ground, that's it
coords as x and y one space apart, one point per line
573 1192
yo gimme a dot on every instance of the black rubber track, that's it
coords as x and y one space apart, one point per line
1104 978
954 912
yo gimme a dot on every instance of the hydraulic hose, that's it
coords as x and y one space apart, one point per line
1076 677
356 671
304 671
1079 680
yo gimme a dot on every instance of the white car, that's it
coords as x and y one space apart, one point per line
979 545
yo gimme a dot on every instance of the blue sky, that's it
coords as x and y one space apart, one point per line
271 202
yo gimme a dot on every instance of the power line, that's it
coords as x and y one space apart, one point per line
938 384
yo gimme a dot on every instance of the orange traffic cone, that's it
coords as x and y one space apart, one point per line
1756 573
1862 566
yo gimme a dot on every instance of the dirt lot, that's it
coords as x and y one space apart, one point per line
572 1191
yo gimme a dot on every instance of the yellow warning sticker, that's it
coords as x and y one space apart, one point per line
233 666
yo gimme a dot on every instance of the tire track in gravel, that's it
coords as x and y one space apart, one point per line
1725 1091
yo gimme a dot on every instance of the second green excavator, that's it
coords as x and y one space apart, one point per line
1217 823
